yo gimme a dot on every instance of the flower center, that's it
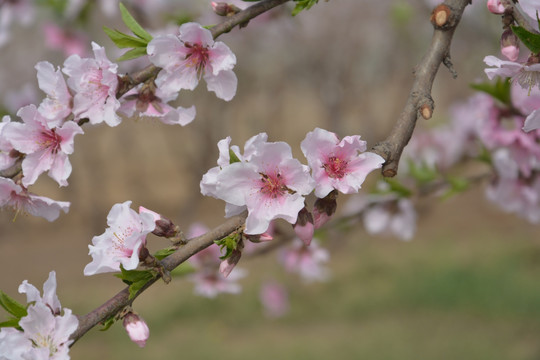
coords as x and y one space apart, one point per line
51 140
272 185
120 244
335 167
42 341
197 57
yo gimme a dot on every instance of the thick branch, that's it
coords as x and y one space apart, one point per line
445 19
120 300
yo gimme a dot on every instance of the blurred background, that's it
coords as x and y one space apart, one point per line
466 286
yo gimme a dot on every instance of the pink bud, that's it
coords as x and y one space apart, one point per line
136 328
259 238
495 6
304 228
324 209
510 45
228 264
164 227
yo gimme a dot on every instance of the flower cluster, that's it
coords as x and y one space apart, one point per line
269 183
45 329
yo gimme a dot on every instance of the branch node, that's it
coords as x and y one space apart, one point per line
447 61
440 16
426 108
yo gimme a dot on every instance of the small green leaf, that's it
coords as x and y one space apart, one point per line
457 186
398 187
108 323
303 5
133 54
529 39
132 276
135 287
422 172
500 90
12 306
123 40
133 25
163 253
183 270
12 322
229 243
232 157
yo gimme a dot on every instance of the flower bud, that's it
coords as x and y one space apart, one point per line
224 9
259 238
304 227
324 209
228 264
136 328
164 227
495 6
510 45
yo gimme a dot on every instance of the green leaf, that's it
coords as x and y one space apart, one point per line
133 25
12 322
229 243
397 187
132 276
529 39
232 157
183 270
135 287
163 253
123 40
303 5
457 186
422 173
12 306
133 54
500 90
108 323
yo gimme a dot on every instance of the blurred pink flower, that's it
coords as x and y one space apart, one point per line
306 261
20 200
274 299
65 39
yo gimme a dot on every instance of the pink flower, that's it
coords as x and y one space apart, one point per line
528 102
210 283
18 198
530 7
94 82
274 299
136 328
307 261
45 331
6 161
57 105
153 103
190 56
525 74
338 164
272 185
121 242
210 179
49 293
46 149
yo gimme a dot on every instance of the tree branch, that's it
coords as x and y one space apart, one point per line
445 19
121 300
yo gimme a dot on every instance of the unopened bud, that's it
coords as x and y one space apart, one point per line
164 227
324 209
304 227
228 264
224 9
495 6
259 238
136 328
510 45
